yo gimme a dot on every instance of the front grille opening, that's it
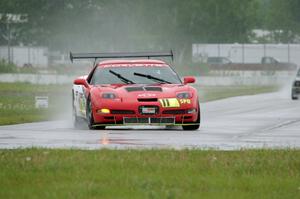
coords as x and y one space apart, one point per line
187 117
109 117
167 120
162 120
147 99
151 120
136 120
125 112
174 112
148 88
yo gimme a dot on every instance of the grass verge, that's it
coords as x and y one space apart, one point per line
17 104
211 93
42 173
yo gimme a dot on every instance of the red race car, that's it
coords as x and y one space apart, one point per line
134 92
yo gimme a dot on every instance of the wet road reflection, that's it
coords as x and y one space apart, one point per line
268 120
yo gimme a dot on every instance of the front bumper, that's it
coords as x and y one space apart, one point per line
130 114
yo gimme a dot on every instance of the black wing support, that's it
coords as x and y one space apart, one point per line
95 56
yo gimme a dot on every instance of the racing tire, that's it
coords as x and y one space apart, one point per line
193 127
294 97
90 117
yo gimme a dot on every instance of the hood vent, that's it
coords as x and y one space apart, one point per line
147 88
132 89
152 88
147 99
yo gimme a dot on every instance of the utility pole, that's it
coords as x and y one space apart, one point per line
9 19
8 41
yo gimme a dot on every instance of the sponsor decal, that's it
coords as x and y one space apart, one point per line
169 103
185 101
82 103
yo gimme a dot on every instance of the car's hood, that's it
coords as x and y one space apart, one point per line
145 91
297 79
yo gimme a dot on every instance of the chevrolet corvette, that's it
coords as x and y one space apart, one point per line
133 89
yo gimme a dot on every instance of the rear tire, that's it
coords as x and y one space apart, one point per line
193 127
90 117
294 97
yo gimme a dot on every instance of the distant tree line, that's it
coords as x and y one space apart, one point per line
132 25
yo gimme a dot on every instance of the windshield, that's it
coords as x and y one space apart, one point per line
108 75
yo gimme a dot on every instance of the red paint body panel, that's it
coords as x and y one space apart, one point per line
129 101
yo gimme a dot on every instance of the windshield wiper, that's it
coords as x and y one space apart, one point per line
123 79
152 77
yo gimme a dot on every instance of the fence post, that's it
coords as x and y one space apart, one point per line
243 53
8 41
289 58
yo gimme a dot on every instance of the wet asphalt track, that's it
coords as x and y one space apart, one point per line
260 121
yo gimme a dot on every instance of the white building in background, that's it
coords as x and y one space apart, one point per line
248 53
26 55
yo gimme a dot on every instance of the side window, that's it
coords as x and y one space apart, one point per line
92 82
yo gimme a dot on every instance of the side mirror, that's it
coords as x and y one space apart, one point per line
81 82
189 80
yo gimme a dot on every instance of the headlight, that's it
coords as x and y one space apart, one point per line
184 95
109 96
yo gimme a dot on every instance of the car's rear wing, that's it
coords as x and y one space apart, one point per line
120 55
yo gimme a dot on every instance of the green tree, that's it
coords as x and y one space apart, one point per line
117 25
283 19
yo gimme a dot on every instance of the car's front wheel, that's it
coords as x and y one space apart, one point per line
193 127
90 117
294 97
